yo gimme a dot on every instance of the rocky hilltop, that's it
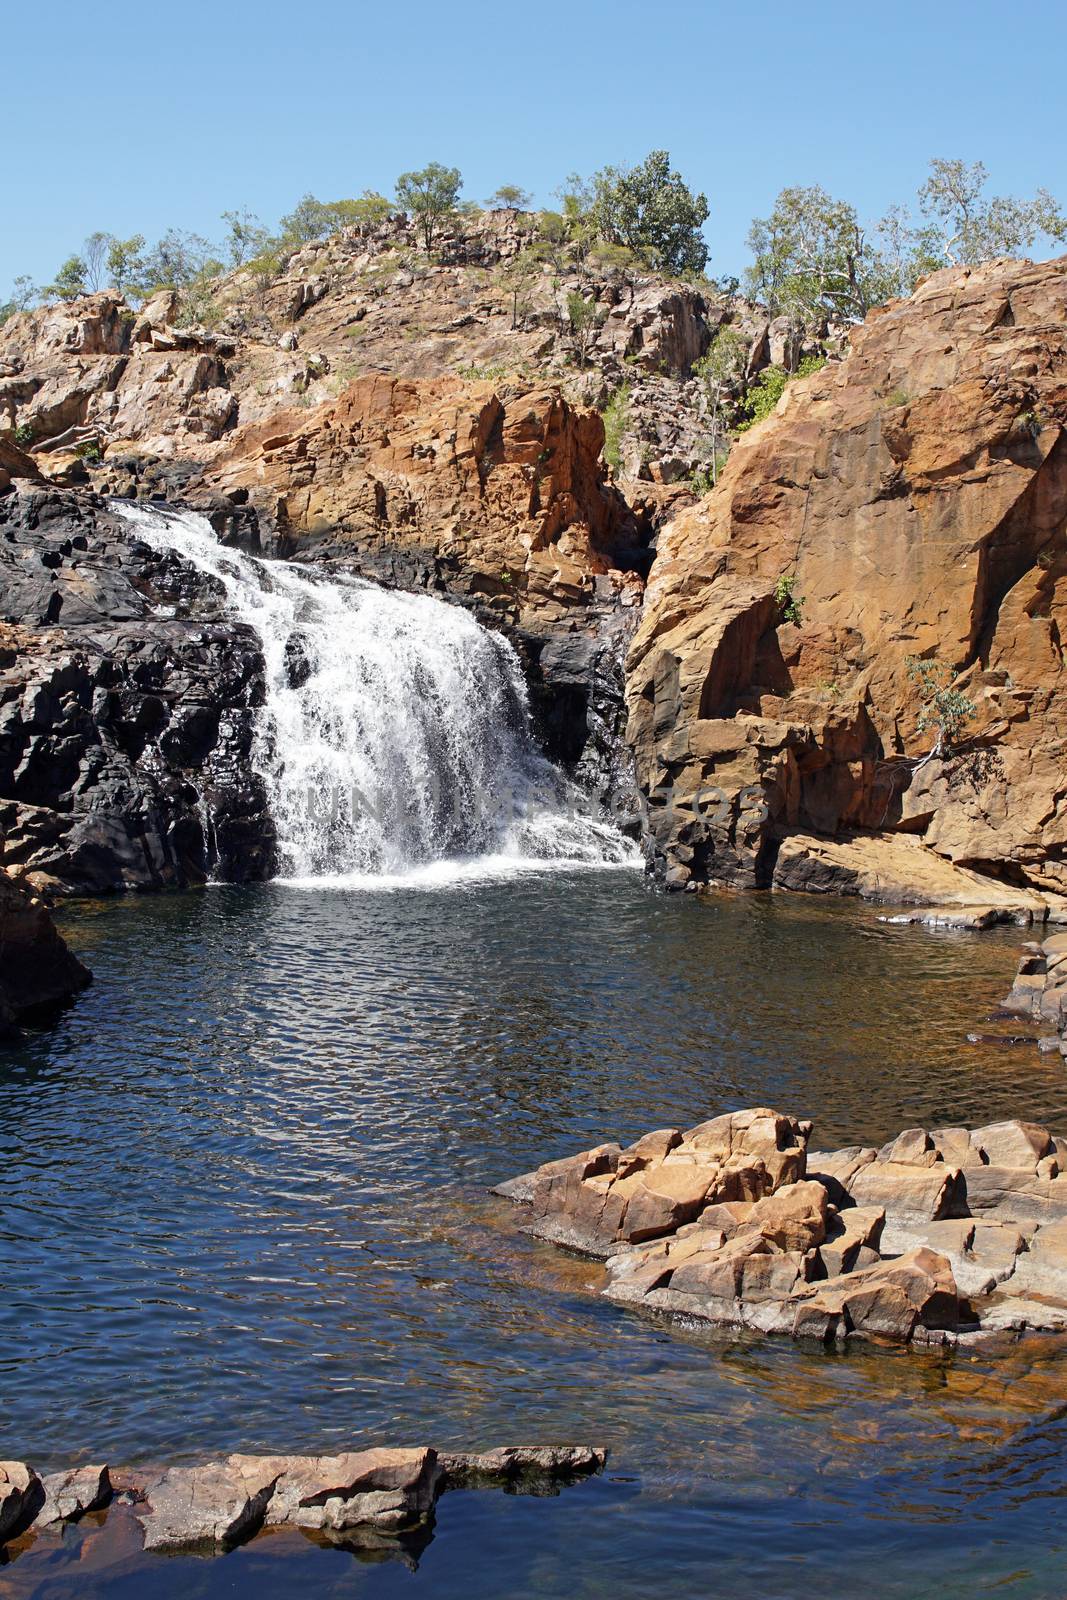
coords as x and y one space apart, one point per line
438 423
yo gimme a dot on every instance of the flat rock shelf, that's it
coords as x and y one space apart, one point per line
376 1500
939 1237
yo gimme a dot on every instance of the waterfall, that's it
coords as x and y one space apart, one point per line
394 741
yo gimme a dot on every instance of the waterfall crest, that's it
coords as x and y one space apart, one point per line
395 737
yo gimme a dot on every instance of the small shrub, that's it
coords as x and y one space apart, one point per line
763 396
24 435
483 374
942 707
89 450
790 604
770 386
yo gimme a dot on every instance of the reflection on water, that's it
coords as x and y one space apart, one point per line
242 1205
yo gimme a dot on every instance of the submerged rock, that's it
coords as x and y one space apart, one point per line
736 1222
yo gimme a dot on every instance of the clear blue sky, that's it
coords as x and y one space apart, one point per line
134 117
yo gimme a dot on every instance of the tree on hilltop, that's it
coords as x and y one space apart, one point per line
509 197
430 196
651 211
813 261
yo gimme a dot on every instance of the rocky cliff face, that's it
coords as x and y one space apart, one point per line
911 498
126 709
915 498
37 971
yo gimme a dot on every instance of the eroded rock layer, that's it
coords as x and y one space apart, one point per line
933 1238
908 502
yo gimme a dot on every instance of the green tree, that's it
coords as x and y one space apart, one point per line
652 211
370 210
23 294
509 197
616 417
943 708
309 219
966 228
125 262
177 260
69 280
245 236
958 226
94 254
584 319
812 261
430 196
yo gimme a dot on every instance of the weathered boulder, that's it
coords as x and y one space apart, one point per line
608 1196
70 1494
913 498
1040 989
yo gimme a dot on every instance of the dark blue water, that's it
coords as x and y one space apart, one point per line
242 1205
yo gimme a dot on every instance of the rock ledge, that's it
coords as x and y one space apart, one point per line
936 1238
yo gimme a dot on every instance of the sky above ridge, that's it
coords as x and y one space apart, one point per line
133 118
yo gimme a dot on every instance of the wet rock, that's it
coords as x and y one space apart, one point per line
515 1464
127 706
221 1503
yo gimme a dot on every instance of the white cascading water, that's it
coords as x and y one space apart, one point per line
395 738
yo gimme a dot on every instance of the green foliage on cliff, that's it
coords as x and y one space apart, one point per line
769 387
790 604
812 261
584 319
943 708
509 197
616 418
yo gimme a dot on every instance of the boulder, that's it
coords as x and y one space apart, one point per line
905 1192
220 1503
68 1495
922 1239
